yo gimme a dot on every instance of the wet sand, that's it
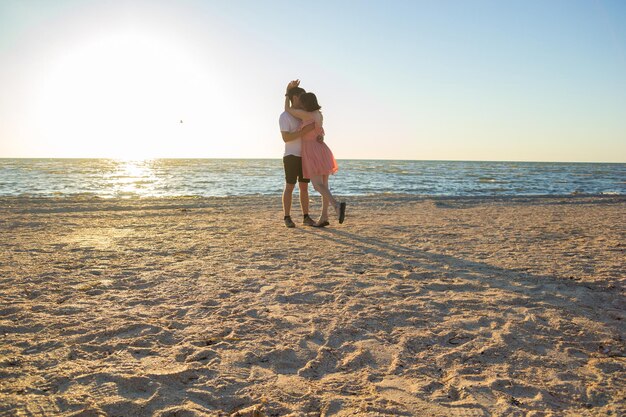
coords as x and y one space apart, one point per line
413 307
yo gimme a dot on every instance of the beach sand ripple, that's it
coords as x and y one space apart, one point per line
413 307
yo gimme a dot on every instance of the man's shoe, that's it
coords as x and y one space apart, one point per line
308 221
289 222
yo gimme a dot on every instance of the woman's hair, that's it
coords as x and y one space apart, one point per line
309 102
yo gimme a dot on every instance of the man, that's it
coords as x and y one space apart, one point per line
292 160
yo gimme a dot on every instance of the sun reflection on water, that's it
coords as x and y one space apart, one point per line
133 177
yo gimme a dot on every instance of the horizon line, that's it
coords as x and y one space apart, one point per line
339 159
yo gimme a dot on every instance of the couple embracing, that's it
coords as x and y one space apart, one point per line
307 158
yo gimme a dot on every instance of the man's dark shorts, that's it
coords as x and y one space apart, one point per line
293 169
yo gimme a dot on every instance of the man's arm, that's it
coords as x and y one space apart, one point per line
297 113
289 136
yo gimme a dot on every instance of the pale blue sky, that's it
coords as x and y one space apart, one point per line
453 80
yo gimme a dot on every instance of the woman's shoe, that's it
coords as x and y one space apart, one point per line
342 212
321 224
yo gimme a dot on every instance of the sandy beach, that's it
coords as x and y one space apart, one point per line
412 307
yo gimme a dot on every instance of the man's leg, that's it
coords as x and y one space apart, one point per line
304 204
287 197
304 197
291 174
303 184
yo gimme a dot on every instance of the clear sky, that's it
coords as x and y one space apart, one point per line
447 80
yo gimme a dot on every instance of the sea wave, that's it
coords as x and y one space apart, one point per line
200 177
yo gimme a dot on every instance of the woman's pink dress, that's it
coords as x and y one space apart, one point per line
317 158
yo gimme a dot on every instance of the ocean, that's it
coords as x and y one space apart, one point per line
233 177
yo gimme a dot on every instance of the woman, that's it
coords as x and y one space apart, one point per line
318 161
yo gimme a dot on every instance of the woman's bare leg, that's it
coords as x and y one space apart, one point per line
325 201
320 183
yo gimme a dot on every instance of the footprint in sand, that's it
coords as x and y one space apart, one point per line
283 361
324 363
29 405
402 390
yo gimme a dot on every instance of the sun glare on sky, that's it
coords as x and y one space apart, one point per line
106 92
489 80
